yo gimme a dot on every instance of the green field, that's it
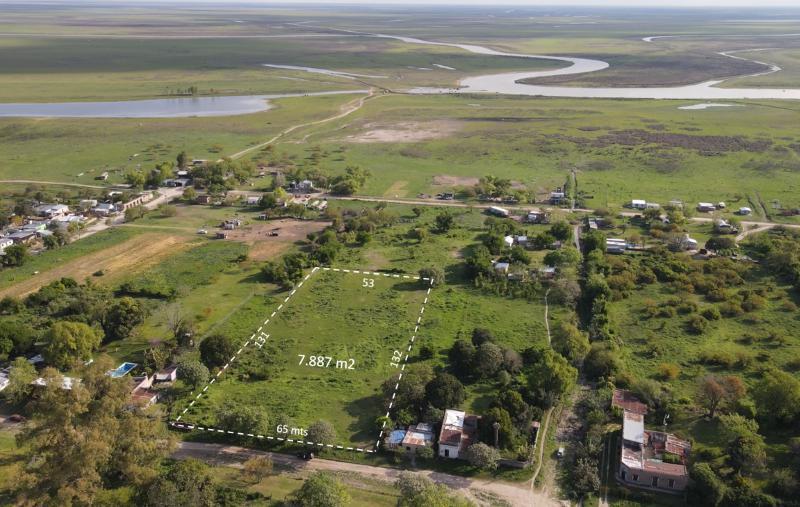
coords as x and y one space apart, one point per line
354 329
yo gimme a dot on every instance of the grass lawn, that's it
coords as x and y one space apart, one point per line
333 316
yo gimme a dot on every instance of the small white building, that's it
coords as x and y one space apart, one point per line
5 243
616 245
638 204
706 207
744 211
509 241
652 205
457 433
498 211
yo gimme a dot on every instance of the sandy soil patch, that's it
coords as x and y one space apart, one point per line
265 247
447 180
398 189
404 132
134 255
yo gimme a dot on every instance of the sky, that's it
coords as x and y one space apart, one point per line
553 3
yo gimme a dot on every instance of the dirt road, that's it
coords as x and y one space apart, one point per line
227 455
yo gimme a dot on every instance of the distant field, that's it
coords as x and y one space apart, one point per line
621 149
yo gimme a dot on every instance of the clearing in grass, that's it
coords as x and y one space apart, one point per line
321 354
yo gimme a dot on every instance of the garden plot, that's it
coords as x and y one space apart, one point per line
321 355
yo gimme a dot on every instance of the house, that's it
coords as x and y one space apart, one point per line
417 437
203 199
547 272
168 374
616 245
626 400
394 439
105 209
509 241
521 240
688 243
557 197
744 211
302 187
5 243
23 237
66 382
638 204
457 433
253 200
501 267
537 217
676 204
652 205
145 397
35 226
706 207
85 204
498 211
651 459
723 226
51 210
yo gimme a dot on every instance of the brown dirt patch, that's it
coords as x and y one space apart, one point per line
398 189
404 132
133 255
447 180
264 247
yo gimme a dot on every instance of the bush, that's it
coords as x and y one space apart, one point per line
482 456
668 371
711 313
697 324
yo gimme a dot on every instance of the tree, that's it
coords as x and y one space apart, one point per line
321 432
444 221
167 210
566 256
135 179
714 391
242 418
570 342
121 317
445 391
777 396
707 489
182 159
19 381
87 439
70 341
193 373
15 255
747 453
488 359
462 355
481 335
257 468
16 337
187 483
216 350
507 434
190 194
551 376
434 274
482 456
410 393
561 231
419 491
601 361
322 489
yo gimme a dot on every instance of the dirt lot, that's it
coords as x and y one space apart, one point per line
263 246
408 132
133 255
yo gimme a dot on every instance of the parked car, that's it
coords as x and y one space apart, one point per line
306 455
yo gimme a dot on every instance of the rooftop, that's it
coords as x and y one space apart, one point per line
626 400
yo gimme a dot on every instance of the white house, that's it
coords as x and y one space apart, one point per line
51 210
616 245
509 241
457 433
5 243
706 206
745 211
638 204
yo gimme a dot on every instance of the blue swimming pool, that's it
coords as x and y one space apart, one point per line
122 370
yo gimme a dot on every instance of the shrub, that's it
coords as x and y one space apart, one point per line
697 324
668 371
711 313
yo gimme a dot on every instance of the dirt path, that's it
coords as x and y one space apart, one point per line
349 108
135 254
60 183
234 456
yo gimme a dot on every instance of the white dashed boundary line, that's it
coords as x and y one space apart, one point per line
259 338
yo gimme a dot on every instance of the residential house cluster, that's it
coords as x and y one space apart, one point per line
43 221
649 459
458 431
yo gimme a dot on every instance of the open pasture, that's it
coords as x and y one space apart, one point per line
321 355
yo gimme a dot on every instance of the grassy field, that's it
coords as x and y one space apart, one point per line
621 149
333 316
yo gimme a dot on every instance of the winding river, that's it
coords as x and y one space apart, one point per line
507 83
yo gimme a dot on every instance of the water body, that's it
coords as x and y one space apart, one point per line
508 83
153 108
706 105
